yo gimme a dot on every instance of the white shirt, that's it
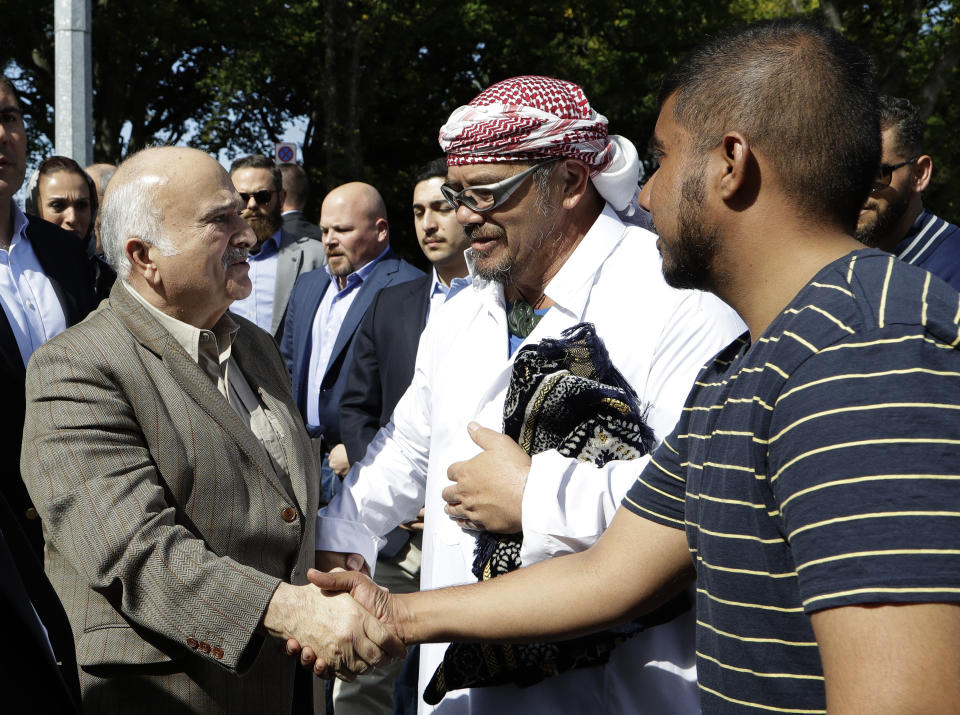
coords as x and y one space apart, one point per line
658 337
29 300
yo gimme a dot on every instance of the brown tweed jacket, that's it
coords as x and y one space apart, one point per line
167 530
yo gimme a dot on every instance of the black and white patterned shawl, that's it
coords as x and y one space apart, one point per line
564 394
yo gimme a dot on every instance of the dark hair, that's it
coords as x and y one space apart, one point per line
51 165
7 84
800 93
296 184
903 117
259 161
434 168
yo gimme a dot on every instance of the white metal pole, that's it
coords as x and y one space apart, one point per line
73 105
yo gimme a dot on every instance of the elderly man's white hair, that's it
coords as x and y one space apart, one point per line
130 210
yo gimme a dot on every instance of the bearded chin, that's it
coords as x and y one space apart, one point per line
264 226
489 270
691 258
877 233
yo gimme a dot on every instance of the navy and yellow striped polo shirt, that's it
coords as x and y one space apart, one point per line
819 467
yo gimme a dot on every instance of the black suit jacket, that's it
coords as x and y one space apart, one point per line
296 343
384 355
65 263
32 679
296 223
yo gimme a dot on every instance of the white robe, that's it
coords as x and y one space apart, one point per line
658 337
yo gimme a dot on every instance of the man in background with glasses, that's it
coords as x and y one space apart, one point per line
542 191
278 257
893 218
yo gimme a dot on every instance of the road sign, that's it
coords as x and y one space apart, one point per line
285 152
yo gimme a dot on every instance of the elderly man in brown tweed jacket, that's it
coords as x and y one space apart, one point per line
172 470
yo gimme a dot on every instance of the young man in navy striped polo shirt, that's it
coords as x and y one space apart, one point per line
893 218
811 489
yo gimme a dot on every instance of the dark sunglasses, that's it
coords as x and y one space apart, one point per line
885 175
489 196
261 197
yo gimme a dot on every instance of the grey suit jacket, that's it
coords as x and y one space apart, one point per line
296 255
167 529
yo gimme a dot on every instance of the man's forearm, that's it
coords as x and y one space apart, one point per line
563 597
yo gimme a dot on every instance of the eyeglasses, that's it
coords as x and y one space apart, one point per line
261 197
489 196
885 175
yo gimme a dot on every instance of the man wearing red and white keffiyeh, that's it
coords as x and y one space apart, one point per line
545 196
529 119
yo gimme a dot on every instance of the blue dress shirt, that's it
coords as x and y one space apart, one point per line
326 326
258 306
441 293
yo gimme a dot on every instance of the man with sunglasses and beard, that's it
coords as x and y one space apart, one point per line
279 257
893 218
542 191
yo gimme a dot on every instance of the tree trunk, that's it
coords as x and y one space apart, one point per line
937 80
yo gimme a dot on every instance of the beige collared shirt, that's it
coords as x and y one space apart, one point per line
211 349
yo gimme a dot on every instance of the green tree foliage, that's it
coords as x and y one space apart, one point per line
373 80
150 60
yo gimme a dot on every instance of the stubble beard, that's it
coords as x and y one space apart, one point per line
485 266
689 261
505 269
342 271
875 233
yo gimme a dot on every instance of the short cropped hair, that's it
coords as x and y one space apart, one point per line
432 169
296 184
801 94
259 161
903 117
130 209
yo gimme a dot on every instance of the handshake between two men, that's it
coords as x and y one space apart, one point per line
485 494
340 634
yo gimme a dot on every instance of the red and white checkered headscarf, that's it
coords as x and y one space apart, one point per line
527 119
534 118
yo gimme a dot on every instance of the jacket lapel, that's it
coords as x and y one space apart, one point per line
190 377
289 262
270 392
307 305
378 278
10 351
53 267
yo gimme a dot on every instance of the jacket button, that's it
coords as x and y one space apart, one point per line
31 514
289 514
205 647
217 653
193 643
